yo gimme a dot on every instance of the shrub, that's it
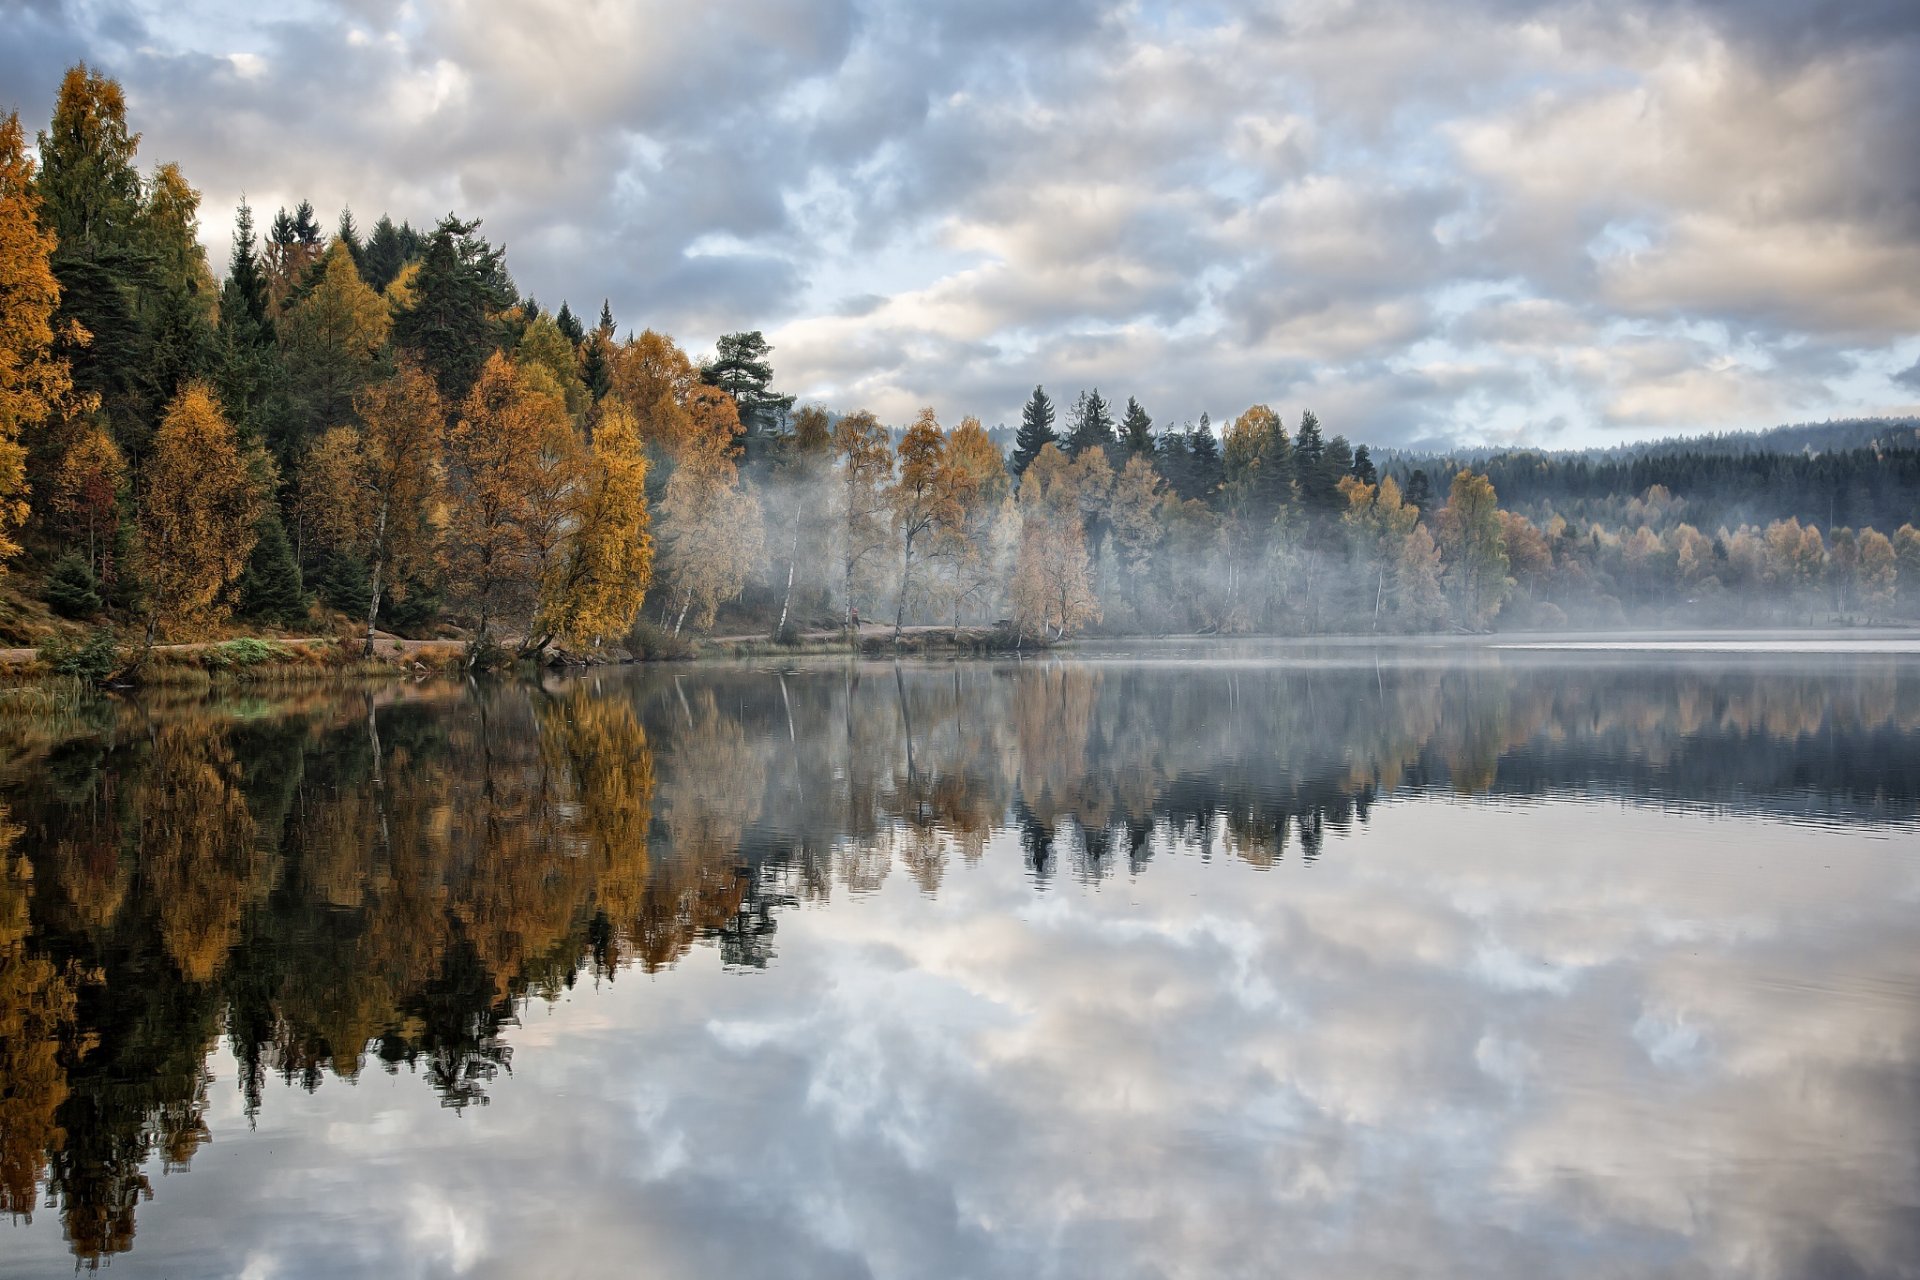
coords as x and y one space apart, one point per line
92 660
72 590
652 643
241 654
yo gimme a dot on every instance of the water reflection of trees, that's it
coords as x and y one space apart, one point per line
382 881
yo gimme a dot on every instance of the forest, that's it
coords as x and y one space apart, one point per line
356 432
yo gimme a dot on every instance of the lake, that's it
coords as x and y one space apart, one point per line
1160 960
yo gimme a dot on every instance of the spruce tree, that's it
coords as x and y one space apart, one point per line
91 199
1136 429
606 318
1092 424
1036 432
72 590
270 588
1208 470
349 235
1419 490
569 324
451 327
246 357
385 255
1363 469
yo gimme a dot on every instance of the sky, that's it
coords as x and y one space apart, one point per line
1485 221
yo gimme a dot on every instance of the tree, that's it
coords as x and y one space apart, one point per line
493 458
270 586
176 306
802 458
245 359
1053 577
603 578
1136 430
348 234
1036 432
975 478
200 504
865 456
714 536
924 503
91 201
35 383
1476 548
335 337
452 325
740 368
388 250
86 495
1363 469
1092 424
545 348
399 478
1134 512
569 324
1876 571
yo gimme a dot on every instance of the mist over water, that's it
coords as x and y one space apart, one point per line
1157 960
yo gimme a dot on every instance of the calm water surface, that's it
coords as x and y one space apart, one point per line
1317 962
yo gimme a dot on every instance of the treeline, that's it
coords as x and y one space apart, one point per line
381 426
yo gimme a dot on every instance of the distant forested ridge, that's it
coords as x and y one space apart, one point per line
361 427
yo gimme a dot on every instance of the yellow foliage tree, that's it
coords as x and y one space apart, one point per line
198 508
398 478
493 462
35 384
598 586
1053 577
924 501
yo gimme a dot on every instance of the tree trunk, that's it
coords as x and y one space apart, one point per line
906 583
786 602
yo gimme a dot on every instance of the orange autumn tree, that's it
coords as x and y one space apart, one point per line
493 458
35 384
199 507
86 495
924 502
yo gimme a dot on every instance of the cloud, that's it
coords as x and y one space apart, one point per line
949 202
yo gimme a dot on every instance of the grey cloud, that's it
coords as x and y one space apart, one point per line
1263 198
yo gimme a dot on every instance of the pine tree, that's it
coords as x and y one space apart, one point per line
1204 448
246 364
385 255
1092 424
270 588
1309 472
741 369
349 235
1036 431
1137 430
1419 490
570 325
451 328
72 590
90 197
1363 469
